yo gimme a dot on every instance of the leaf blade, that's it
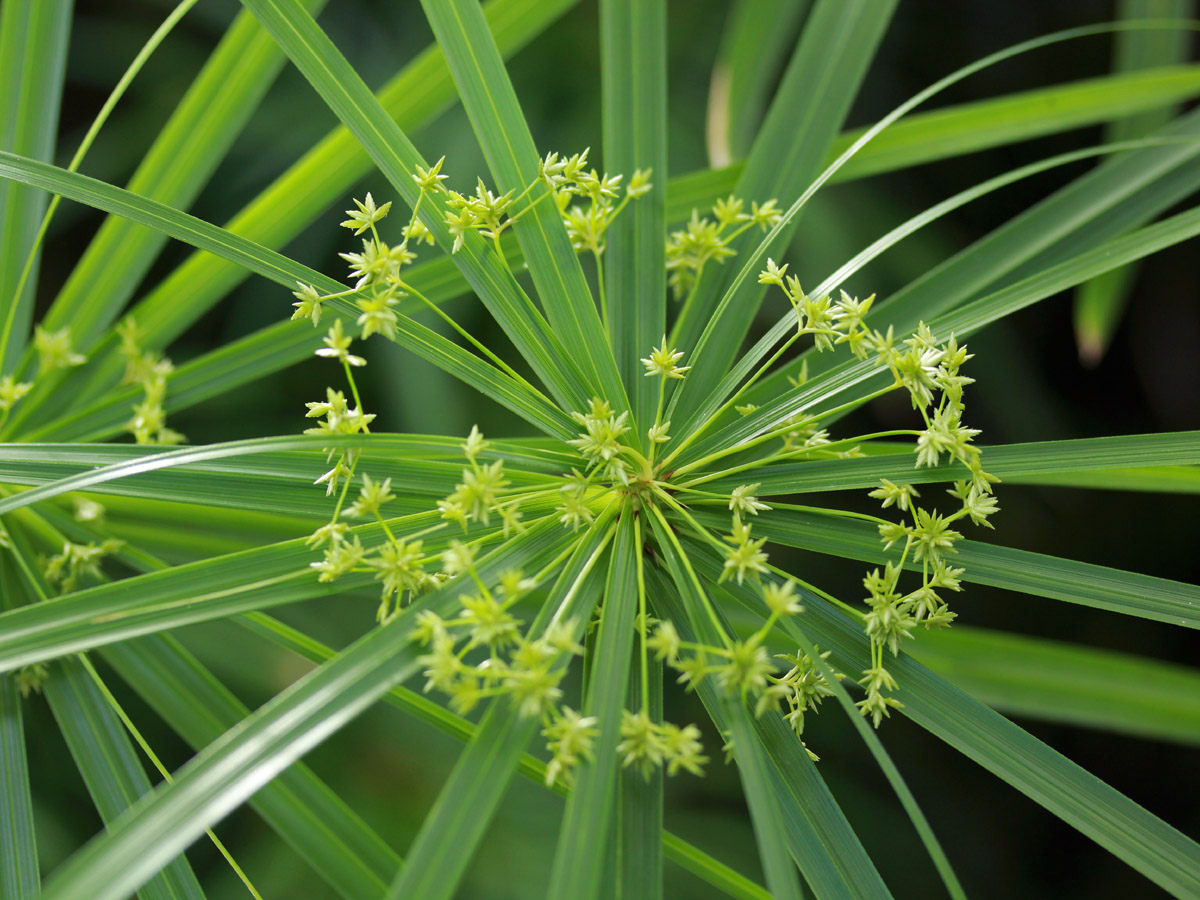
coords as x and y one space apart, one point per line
235 766
1128 593
33 54
491 104
576 870
1142 840
633 40
1060 682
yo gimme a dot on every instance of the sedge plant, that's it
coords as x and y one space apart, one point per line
540 596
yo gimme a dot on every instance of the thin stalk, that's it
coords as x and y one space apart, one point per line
162 770
687 564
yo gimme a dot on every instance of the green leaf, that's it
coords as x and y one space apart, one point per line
1165 479
710 870
20 877
235 766
763 800
491 103
926 137
776 834
421 90
1100 302
1016 570
633 45
830 61
579 856
638 871
33 56
183 157
527 401
753 48
471 795
253 474
97 739
109 764
1059 682
1017 463
315 822
341 88
1082 800
970 127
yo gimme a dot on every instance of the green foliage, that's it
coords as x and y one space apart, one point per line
636 536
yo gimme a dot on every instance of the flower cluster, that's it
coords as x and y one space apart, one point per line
588 220
485 650
77 562
707 239
930 371
745 668
479 495
11 392
149 371
54 350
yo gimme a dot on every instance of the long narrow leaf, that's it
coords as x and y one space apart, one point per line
234 767
33 56
753 48
301 808
1059 682
633 44
109 765
469 799
576 871
1016 570
1082 800
20 877
1018 462
240 582
491 103
225 475
1100 302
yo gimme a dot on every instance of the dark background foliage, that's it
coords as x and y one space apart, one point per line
1031 387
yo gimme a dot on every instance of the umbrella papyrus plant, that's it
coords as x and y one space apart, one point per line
539 593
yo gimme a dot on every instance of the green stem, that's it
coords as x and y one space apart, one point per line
777 457
687 564
641 583
478 345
